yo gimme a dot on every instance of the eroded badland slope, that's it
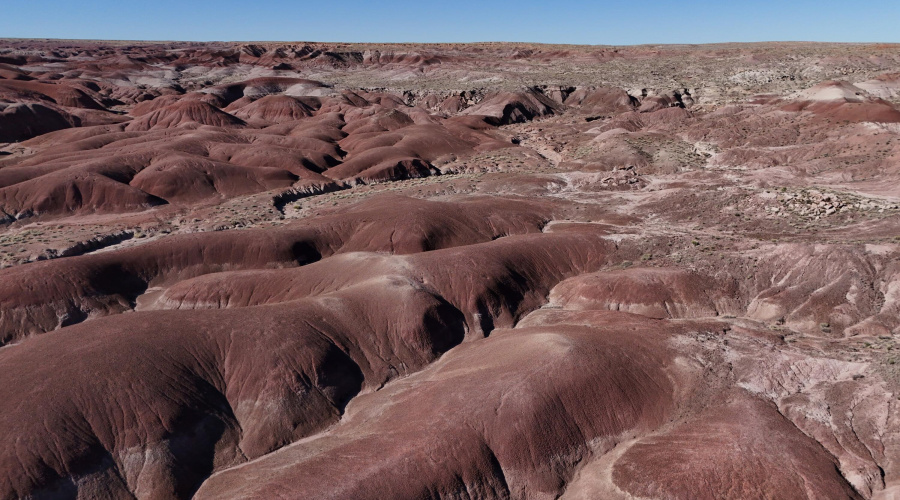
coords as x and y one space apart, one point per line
299 270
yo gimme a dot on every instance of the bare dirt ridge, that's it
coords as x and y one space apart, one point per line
310 270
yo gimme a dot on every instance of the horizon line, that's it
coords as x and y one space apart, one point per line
647 44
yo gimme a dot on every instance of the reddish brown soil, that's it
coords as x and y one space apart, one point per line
449 271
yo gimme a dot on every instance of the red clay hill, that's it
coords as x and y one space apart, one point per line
304 270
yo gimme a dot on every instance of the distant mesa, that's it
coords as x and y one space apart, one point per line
842 101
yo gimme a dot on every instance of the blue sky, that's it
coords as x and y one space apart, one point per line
575 21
